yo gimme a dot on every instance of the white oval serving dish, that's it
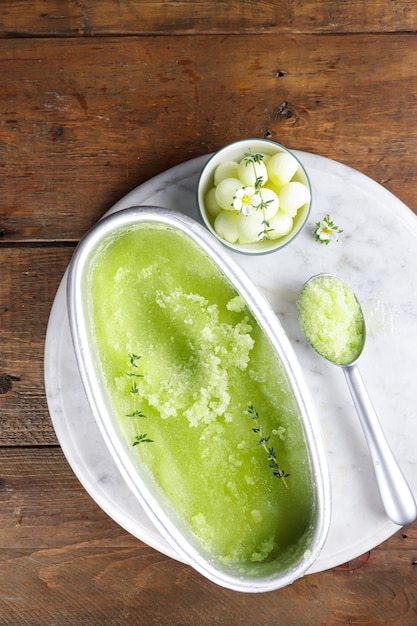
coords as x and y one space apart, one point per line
251 577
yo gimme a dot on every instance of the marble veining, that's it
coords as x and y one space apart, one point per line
377 256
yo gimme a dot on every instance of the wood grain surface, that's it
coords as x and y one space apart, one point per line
27 18
97 97
75 139
63 561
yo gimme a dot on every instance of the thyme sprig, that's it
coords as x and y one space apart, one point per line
142 439
134 390
263 441
251 160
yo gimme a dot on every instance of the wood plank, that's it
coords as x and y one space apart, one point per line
29 279
95 18
73 141
55 542
37 487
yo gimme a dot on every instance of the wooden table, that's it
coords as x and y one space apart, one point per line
95 98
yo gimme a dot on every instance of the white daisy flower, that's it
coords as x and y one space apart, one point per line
246 200
326 230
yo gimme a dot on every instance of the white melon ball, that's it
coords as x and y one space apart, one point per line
225 225
211 203
227 169
249 173
271 200
270 185
281 168
250 227
292 196
226 191
280 225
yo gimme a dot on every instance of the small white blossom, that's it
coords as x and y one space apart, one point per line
326 231
246 200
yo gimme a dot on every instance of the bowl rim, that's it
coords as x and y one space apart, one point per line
247 249
269 322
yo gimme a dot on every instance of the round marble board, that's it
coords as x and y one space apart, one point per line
377 255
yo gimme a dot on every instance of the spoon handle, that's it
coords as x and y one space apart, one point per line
396 495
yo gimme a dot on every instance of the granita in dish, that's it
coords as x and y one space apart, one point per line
201 395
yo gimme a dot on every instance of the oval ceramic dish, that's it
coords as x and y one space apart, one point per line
252 576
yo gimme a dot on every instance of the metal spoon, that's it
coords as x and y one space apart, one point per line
396 495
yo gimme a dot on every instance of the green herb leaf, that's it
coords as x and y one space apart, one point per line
262 441
134 390
251 160
136 413
134 358
141 439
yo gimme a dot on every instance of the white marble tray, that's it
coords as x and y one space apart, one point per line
377 255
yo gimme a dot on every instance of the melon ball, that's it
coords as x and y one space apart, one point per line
249 173
226 191
271 201
225 226
212 206
227 169
292 196
281 168
280 225
250 227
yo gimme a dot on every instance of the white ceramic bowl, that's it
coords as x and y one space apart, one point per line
235 152
251 577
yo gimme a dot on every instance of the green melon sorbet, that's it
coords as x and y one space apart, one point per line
154 294
331 319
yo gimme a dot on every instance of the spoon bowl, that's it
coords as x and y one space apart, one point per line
332 321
